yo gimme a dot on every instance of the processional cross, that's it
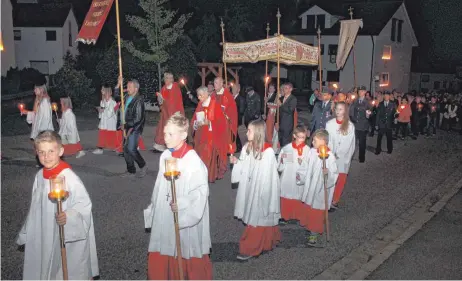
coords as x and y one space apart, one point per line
351 12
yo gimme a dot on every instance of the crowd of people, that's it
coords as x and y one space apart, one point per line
281 176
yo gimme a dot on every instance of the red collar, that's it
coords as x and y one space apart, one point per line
181 152
266 146
338 122
299 148
48 173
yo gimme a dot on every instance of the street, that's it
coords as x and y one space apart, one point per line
376 192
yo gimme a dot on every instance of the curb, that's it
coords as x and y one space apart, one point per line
366 258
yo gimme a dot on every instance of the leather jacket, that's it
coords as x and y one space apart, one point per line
135 114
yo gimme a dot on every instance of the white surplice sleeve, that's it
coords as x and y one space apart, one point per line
238 168
192 206
302 170
78 210
332 176
22 235
281 164
149 211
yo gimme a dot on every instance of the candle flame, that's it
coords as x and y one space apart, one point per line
54 106
402 107
353 97
373 102
267 79
335 86
182 81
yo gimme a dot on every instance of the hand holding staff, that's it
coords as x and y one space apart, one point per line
323 154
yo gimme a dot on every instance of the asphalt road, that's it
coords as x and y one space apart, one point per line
376 193
433 253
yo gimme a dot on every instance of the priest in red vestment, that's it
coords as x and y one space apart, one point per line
170 101
209 132
228 105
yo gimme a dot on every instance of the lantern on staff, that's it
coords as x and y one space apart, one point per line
323 152
58 193
171 174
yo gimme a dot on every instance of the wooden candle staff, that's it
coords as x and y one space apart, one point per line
58 194
323 154
172 174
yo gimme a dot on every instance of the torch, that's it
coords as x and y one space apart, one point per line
184 84
58 194
21 108
54 106
172 174
266 93
323 154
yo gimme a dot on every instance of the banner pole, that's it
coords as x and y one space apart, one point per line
278 15
266 80
121 80
320 60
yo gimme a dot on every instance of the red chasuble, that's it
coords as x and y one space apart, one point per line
228 105
173 102
211 146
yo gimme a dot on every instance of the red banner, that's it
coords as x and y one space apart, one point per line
94 21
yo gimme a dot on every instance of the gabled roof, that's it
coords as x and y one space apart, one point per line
37 15
375 16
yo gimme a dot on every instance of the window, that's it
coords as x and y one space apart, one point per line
396 30
333 76
70 34
50 35
386 55
436 85
393 29
320 21
424 90
17 35
425 78
311 22
400 30
332 53
445 84
384 79
41 66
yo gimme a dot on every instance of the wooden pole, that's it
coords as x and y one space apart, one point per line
222 25
63 246
326 204
354 55
279 65
122 101
177 231
320 60
266 73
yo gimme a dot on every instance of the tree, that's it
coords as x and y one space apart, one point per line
159 30
72 82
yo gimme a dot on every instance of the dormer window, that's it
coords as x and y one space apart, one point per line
311 22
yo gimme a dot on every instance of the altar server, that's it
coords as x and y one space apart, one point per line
40 232
192 191
342 144
313 190
293 165
40 116
108 121
258 195
68 130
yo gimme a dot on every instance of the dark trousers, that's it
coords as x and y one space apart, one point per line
415 127
285 137
372 124
422 125
131 153
403 126
389 134
361 136
432 123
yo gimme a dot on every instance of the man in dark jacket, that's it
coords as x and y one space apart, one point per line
385 117
253 106
322 112
133 125
287 107
360 111
240 103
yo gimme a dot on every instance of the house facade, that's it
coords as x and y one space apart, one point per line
426 82
382 53
43 36
8 58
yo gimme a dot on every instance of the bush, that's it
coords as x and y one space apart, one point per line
69 81
17 81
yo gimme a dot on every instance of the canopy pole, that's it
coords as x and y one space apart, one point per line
354 55
121 80
320 60
266 73
222 25
279 65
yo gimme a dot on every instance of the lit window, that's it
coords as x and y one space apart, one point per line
384 79
386 53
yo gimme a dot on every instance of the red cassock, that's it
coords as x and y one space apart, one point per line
211 145
173 102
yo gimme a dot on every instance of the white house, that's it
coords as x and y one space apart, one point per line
43 34
8 59
383 47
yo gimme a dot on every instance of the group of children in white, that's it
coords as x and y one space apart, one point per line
272 190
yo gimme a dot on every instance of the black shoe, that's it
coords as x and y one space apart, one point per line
389 152
377 152
156 151
361 160
282 222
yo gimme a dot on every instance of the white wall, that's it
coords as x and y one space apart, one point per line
416 84
399 66
8 59
74 32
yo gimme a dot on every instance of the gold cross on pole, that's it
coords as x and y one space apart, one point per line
350 10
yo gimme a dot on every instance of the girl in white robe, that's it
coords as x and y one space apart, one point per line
40 232
342 144
68 130
313 190
293 166
41 116
192 191
258 195
108 121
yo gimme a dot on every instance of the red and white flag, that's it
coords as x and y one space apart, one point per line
94 21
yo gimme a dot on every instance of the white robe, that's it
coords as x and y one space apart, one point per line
108 118
192 191
258 195
68 128
40 120
291 188
313 190
40 233
342 146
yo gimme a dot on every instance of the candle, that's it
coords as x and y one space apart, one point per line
21 108
231 84
402 107
373 102
184 84
231 149
433 108
171 167
267 78
353 97
54 106
323 151
57 188
335 86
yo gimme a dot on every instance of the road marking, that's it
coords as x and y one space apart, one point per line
366 258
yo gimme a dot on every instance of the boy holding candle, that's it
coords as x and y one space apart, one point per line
292 163
192 191
68 130
313 189
39 234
